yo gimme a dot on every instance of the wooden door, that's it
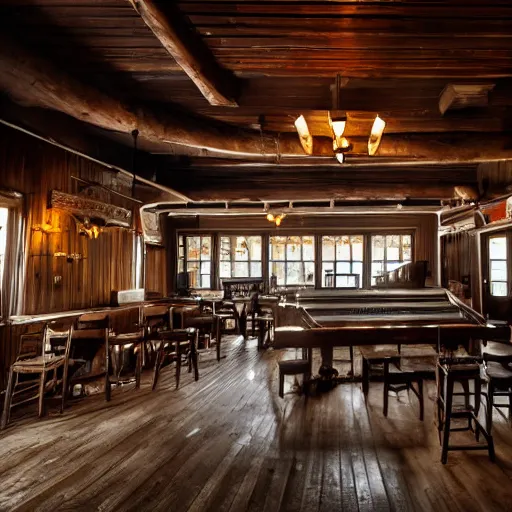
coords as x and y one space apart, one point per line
496 275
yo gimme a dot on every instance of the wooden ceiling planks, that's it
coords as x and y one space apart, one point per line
395 59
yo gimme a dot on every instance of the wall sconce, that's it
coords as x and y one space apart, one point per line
88 229
376 135
46 228
305 137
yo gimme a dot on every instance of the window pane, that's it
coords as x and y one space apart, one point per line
377 247
377 270
241 249
225 248
193 244
205 247
277 269
205 281
205 267
193 269
392 265
309 270
293 247
343 268
308 248
256 269
498 271
225 269
180 265
357 268
343 248
357 248
328 248
277 247
345 282
393 247
294 273
498 248
254 243
499 289
241 269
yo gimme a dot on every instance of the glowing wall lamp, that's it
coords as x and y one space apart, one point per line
376 135
305 136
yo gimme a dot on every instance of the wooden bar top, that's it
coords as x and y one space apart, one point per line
45 317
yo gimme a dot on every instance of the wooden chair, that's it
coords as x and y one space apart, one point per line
40 354
170 345
124 342
94 327
498 373
296 367
401 373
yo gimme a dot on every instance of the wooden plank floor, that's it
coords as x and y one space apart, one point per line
229 443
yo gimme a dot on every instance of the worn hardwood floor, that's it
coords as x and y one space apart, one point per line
228 443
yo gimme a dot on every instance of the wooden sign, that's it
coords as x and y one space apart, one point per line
151 228
85 207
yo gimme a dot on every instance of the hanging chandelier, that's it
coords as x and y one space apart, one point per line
276 219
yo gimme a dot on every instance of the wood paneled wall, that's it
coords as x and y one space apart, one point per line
34 168
156 269
424 226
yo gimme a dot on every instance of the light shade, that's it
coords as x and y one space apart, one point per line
305 137
376 135
340 157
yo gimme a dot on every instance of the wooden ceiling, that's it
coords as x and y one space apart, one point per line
275 60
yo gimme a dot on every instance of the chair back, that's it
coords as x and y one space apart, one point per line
156 317
57 340
32 344
92 326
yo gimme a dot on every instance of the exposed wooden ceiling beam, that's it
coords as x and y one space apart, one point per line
218 85
36 82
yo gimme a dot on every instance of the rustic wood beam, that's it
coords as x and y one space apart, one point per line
35 82
218 85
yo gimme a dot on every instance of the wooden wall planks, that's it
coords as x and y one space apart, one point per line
34 168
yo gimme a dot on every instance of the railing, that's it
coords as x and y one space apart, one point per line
410 275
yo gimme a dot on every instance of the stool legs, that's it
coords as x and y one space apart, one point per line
490 405
281 384
448 401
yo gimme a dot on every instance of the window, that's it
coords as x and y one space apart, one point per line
498 266
342 261
195 257
389 252
292 260
240 256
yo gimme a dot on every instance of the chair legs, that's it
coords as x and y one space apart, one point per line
7 404
42 380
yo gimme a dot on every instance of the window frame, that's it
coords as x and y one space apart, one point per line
489 263
336 260
186 261
387 233
301 260
232 261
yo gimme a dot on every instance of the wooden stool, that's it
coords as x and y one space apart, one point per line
498 370
220 319
296 367
265 330
400 374
464 370
371 357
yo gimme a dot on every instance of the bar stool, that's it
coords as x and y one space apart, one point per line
498 372
464 371
296 367
265 330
